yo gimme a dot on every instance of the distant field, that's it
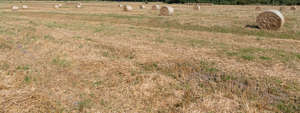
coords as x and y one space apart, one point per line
101 59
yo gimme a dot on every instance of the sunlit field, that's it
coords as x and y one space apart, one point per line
101 59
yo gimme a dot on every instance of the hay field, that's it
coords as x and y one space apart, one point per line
101 59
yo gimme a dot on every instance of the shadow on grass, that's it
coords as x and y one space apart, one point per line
252 26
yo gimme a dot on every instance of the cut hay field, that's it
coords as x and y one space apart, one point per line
101 59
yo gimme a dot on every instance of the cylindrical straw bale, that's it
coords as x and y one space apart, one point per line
78 6
155 7
14 8
166 11
197 7
56 6
127 8
270 20
24 6
293 8
142 6
258 8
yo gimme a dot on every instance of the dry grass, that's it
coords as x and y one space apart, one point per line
101 59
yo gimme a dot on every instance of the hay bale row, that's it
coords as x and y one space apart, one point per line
293 8
154 7
130 8
15 8
56 6
280 9
164 11
200 4
270 20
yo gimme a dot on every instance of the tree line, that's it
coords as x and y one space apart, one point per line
224 2
239 2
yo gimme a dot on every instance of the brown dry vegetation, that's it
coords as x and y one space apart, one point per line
101 59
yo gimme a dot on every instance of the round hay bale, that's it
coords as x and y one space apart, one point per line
155 7
270 20
56 6
78 6
258 8
142 7
166 11
197 7
59 5
24 6
120 5
14 8
293 8
127 8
